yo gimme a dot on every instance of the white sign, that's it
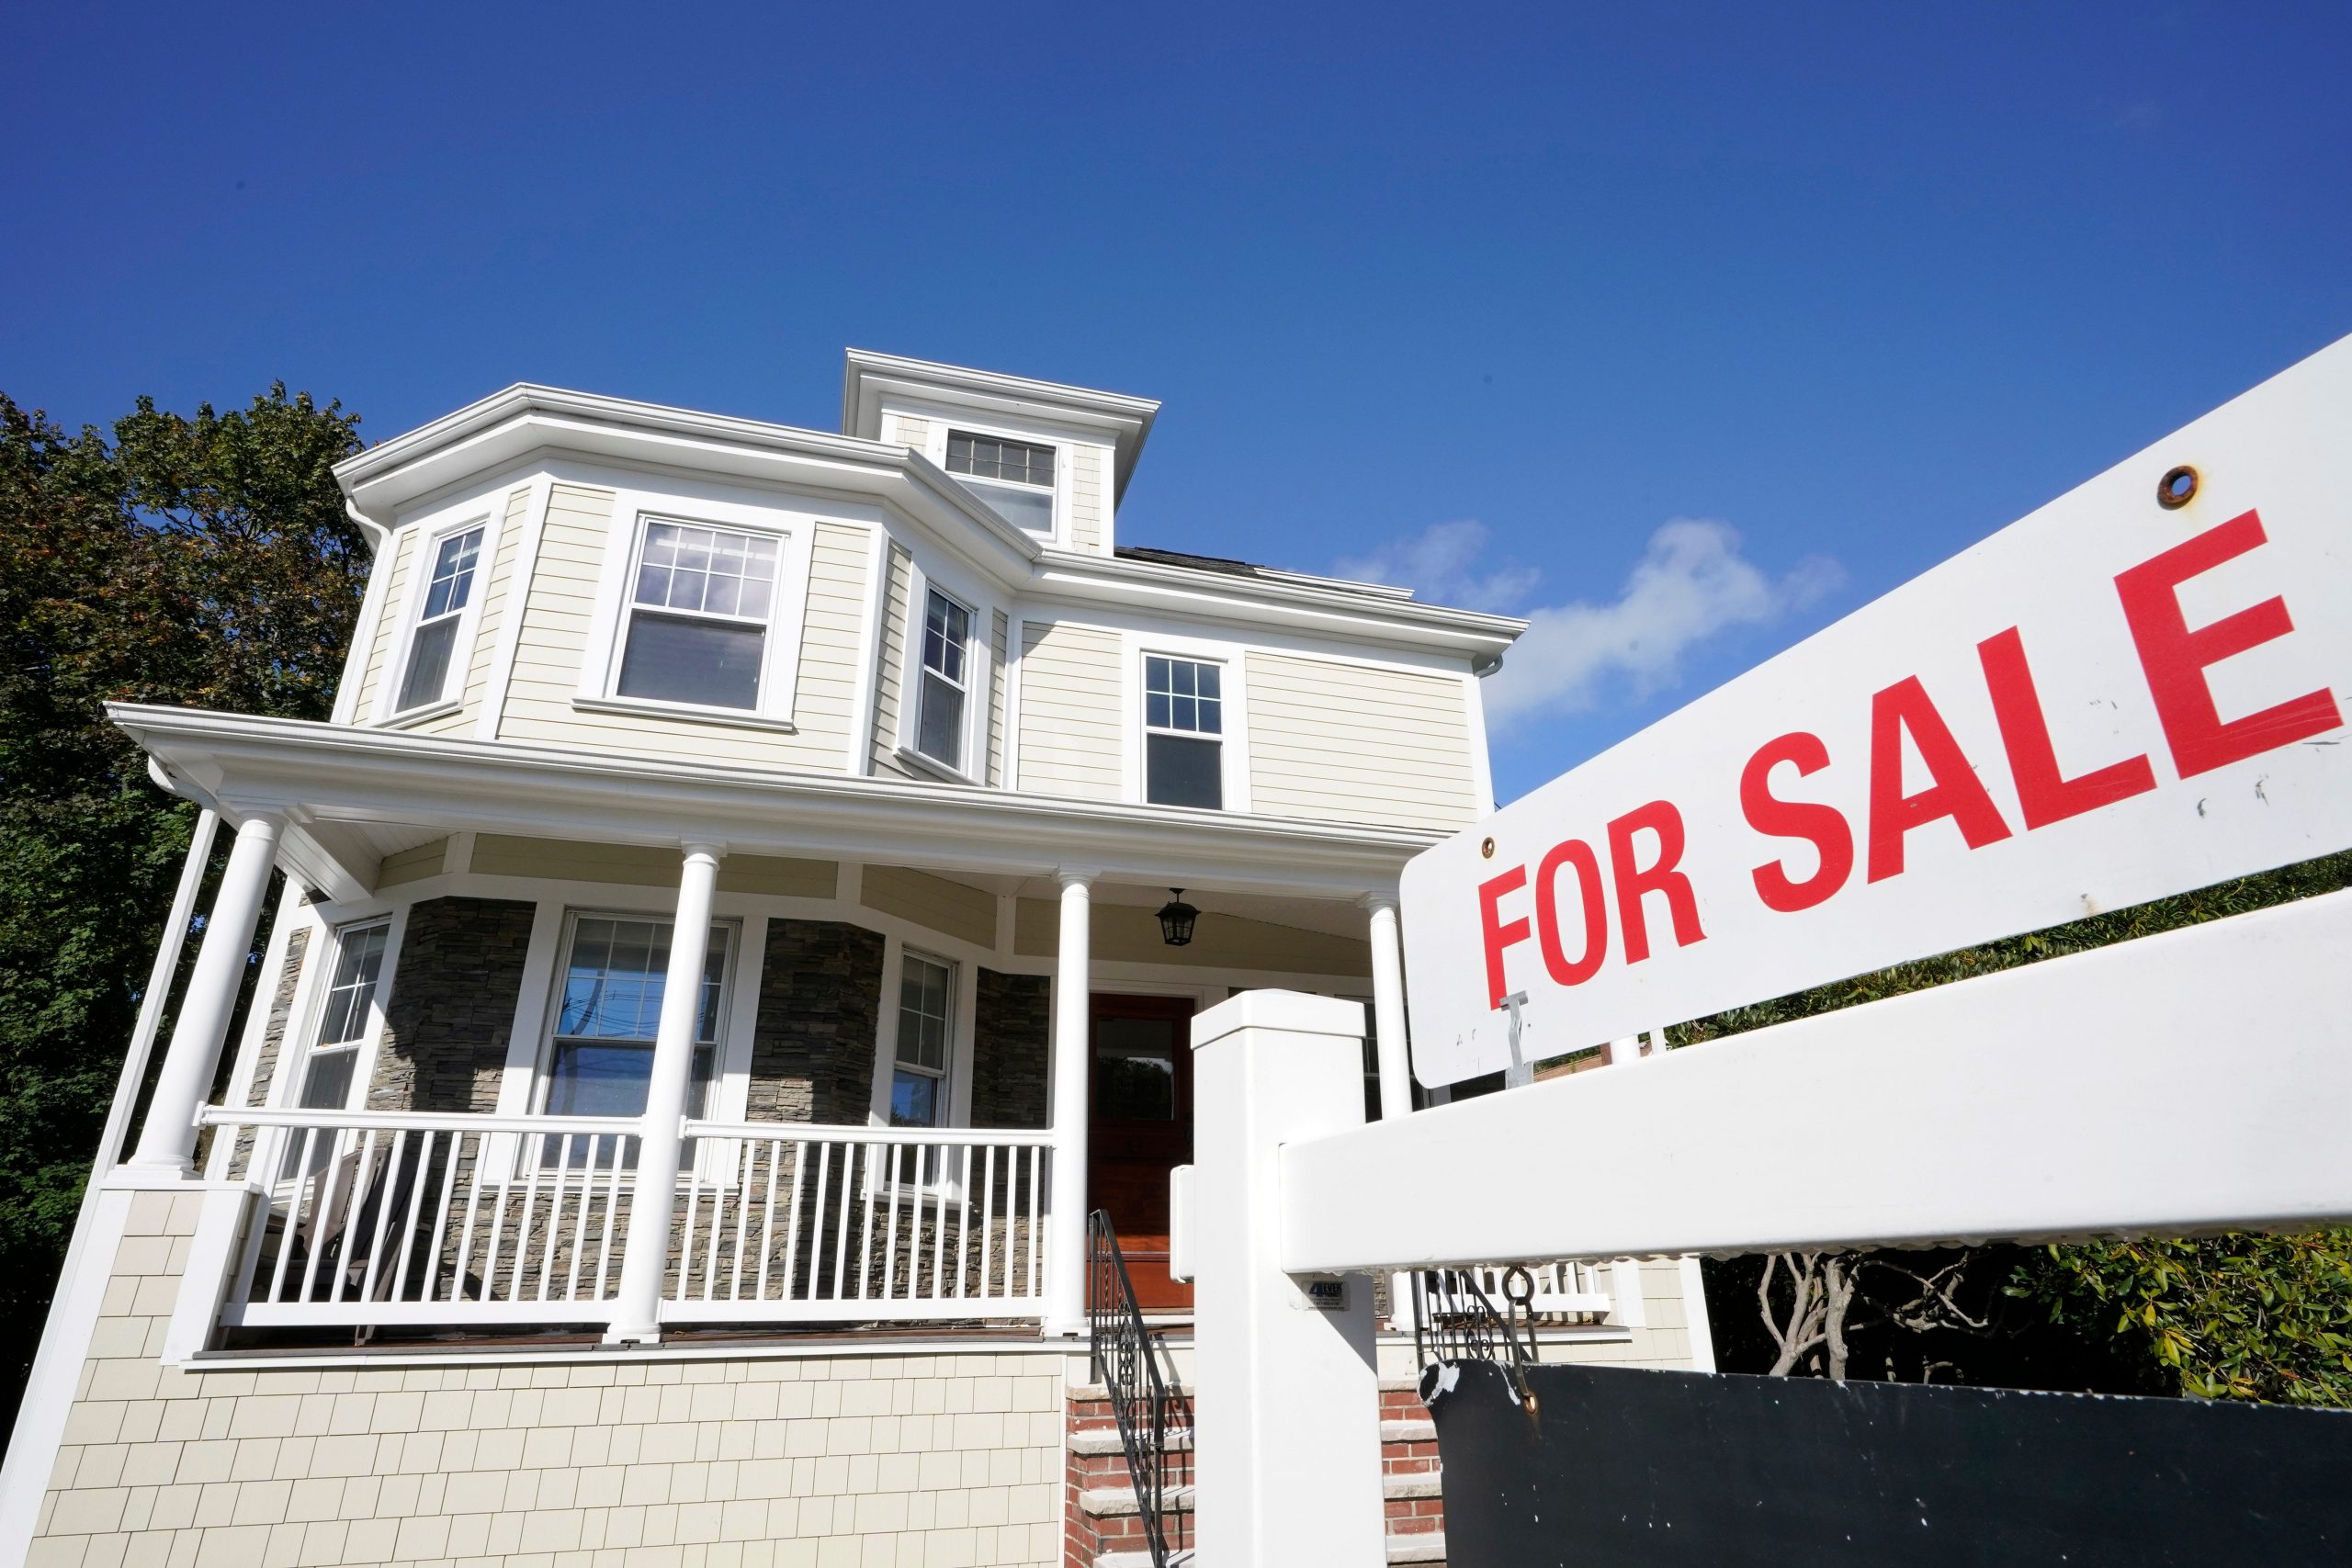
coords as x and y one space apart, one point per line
2114 699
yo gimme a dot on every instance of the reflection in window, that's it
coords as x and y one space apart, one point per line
946 641
919 1083
1134 1069
1183 720
612 981
698 614
1015 478
344 1020
446 598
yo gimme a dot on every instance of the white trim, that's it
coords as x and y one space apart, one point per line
1482 762
366 631
1016 636
1058 440
865 715
519 584
1694 1314
921 585
56 1370
292 915
1233 756
653 707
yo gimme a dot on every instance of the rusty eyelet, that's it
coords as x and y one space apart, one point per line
2177 488
1486 850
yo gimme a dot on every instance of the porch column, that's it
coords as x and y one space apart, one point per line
1066 1238
1388 1007
654 1198
167 1140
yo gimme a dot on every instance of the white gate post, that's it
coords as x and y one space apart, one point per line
1287 1410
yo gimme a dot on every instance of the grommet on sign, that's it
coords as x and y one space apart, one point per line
1486 850
2177 488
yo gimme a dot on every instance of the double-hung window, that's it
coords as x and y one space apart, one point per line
697 617
1015 478
947 684
615 969
926 1015
1184 721
432 648
345 1018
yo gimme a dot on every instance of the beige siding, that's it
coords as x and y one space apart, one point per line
1090 511
1126 934
387 622
556 615
1000 642
957 909
1344 743
911 431
505 542
413 865
824 705
639 866
889 666
1070 710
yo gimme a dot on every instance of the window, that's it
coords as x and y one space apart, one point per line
430 650
946 642
919 1081
345 1018
1183 720
1015 478
698 616
613 979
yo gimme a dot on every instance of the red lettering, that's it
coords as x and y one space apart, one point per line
1660 818
1957 793
1500 933
2045 795
1824 827
2175 658
1578 853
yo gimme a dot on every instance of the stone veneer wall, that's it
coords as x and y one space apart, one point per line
273 1037
865 1460
1010 1029
452 1005
821 1001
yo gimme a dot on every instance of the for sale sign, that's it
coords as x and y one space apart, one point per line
2133 692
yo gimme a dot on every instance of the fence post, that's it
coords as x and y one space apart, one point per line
1287 1417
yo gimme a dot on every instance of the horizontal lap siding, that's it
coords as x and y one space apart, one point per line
413 865
1345 743
640 865
889 665
824 701
956 908
380 650
1070 710
1000 643
1086 509
556 615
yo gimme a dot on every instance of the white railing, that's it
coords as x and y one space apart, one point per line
382 1218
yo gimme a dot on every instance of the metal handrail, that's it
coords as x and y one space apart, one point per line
1129 1373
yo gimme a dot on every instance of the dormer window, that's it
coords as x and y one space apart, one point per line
430 650
1015 478
946 646
1183 723
698 616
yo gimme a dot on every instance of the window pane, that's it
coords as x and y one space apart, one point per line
598 1080
677 660
452 573
1135 1069
359 963
710 571
939 732
1183 693
1184 772
947 630
428 664
914 1100
327 1085
925 986
1029 509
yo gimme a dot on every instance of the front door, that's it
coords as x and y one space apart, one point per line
1141 1127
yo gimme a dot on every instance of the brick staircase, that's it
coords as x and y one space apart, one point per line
1102 1529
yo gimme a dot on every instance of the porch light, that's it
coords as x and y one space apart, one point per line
1176 918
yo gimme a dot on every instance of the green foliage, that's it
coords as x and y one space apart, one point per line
2265 1317
2225 1317
205 561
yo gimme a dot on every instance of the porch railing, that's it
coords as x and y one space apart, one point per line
385 1218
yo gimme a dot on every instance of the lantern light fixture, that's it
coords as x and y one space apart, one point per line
1176 918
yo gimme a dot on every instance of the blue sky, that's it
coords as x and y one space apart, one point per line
1685 328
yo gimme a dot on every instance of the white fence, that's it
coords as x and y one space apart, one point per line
384 1218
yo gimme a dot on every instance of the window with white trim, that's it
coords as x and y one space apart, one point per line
943 702
926 1037
698 614
616 968
345 1016
433 645
1015 478
1184 725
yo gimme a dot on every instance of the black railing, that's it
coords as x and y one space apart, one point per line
1128 1368
1454 1321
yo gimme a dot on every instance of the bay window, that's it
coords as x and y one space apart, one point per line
432 647
942 702
926 1032
615 969
697 617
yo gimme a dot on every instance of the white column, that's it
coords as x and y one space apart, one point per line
654 1200
167 1141
1288 1419
1388 1007
1065 1232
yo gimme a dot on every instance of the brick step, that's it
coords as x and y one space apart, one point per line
1115 1502
1423 1549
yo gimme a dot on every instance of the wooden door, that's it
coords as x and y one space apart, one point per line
1140 1106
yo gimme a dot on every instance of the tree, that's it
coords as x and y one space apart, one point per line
205 561
2233 1317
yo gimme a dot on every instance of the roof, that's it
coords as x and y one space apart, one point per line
1226 567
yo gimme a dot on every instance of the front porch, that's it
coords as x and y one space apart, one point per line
873 1100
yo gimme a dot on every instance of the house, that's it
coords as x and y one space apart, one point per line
862 800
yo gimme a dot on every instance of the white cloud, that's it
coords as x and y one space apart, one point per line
1691 583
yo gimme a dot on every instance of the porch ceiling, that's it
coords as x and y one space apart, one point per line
354 795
